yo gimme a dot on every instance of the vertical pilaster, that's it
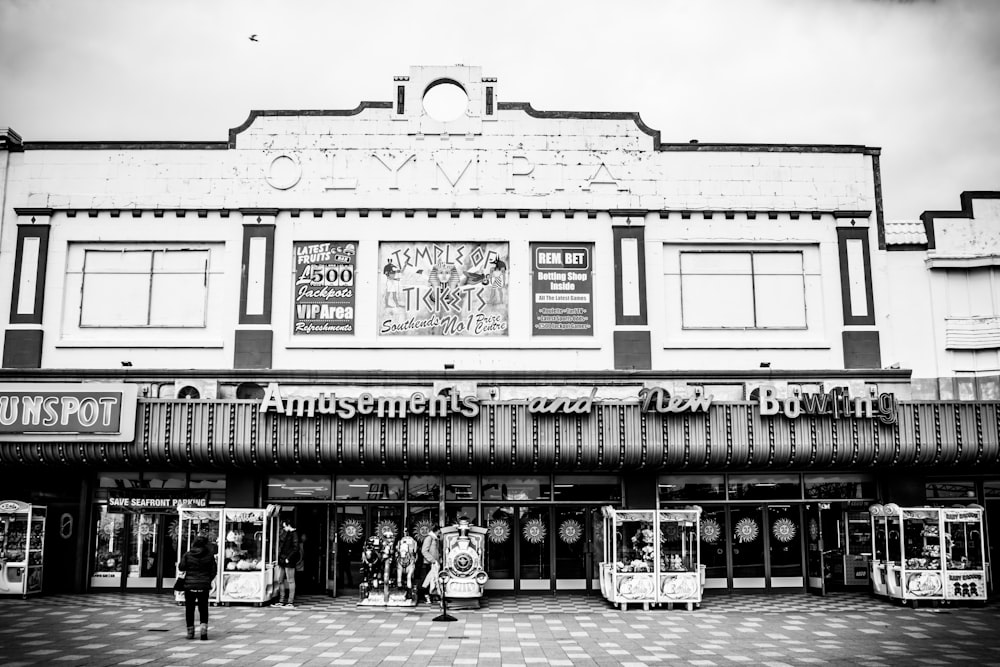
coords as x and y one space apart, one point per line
631 335
23 339
253 342
860 337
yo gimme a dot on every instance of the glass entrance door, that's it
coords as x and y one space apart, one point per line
748 547
134 550
352 525
784 540
535 542
815 560
573 543
500 546
715 541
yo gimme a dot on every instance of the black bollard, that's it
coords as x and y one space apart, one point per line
444 616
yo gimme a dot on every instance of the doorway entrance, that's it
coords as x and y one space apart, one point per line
310 523
134 550
753 546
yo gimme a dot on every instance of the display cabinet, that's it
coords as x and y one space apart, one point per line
857 547
22 538
248 569
931 553
651 557
200 521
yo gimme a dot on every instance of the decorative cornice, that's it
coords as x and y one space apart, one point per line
409 212
257 113
692 146
10 140
554 377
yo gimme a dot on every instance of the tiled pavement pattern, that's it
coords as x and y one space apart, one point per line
729 629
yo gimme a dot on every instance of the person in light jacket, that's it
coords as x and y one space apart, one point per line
199 567
430 550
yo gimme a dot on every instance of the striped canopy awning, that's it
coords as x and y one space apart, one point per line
507 437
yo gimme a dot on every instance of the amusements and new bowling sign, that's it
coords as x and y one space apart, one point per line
562 289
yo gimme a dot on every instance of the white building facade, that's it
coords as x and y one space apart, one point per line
517 316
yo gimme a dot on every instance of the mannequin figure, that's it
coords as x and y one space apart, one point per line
406 561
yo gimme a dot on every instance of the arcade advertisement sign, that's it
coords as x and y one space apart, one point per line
324 287
451 288
562 289
47 412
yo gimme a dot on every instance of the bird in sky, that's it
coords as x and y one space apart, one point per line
253 37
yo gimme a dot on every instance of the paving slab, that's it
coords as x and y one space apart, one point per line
565 629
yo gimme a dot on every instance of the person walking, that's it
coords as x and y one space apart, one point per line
289 555
199 567
430 550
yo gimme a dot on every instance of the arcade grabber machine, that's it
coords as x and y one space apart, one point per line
22 535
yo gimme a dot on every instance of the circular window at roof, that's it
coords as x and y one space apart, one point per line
445 101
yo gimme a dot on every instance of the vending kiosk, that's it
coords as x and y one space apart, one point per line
652 557
928 553
22 537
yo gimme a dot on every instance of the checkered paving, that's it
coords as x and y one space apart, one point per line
564 629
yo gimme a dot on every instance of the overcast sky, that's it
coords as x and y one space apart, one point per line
918 78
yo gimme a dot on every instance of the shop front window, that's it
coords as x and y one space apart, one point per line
375 487
298 487
462 488
424 488
713 542
764 487
950 490
119 480
839 487
512 487
692 487
584 488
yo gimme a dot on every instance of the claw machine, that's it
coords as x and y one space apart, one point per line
651 557
933 553
249 570
22 534
203 521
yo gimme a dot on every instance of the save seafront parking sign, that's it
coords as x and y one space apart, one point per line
562 289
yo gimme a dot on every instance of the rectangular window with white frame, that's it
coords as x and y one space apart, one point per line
141 286
728 289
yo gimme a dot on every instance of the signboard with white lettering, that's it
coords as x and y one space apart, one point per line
324 287
429 288
51 411
149 500
562 289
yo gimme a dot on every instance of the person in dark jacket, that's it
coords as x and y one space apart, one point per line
199 567
289 555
